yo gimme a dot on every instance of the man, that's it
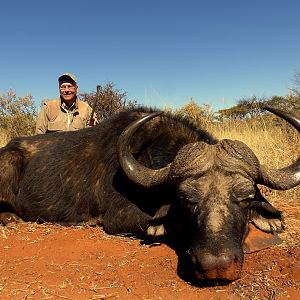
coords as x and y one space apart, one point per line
66 113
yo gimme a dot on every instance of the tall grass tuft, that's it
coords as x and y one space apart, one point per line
276 145
3 138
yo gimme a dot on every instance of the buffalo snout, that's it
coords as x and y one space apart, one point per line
225 266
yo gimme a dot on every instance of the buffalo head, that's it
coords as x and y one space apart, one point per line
215 197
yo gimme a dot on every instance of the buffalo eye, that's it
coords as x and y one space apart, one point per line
189 195
246 202
243 195
189 202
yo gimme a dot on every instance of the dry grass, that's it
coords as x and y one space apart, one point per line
275 146
3 138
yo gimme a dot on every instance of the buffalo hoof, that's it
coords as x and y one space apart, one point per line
158 230
7 218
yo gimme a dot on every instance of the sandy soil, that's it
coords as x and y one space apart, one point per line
55 262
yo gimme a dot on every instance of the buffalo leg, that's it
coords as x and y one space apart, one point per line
126 218
157 224
11 167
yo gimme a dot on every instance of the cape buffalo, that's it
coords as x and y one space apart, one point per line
149 174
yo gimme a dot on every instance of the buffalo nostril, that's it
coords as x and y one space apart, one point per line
209 261
223 266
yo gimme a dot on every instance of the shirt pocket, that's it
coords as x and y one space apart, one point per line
56 126
78 122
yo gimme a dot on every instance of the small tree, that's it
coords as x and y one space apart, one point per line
245 109
289 102
237 112
295 89
199 114
17 114
107 100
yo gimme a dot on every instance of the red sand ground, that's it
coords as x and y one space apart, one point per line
55 262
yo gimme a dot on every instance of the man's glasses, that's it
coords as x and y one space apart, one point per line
69 87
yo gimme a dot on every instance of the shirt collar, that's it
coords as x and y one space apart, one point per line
72 108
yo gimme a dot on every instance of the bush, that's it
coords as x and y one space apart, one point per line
107 100
199 114
17 115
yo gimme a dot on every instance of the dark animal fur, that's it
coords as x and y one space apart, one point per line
74 177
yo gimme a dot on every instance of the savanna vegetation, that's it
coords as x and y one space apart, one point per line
275 143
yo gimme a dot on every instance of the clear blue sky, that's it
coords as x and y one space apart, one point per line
161 52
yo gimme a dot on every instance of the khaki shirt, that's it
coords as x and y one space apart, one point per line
56 116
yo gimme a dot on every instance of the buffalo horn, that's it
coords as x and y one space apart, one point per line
288 177
135 171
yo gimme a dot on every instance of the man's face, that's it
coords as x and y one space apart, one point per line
68 91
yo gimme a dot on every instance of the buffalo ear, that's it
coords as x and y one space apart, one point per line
265 221
257 240
265 216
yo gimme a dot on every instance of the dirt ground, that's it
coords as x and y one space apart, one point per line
54 262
